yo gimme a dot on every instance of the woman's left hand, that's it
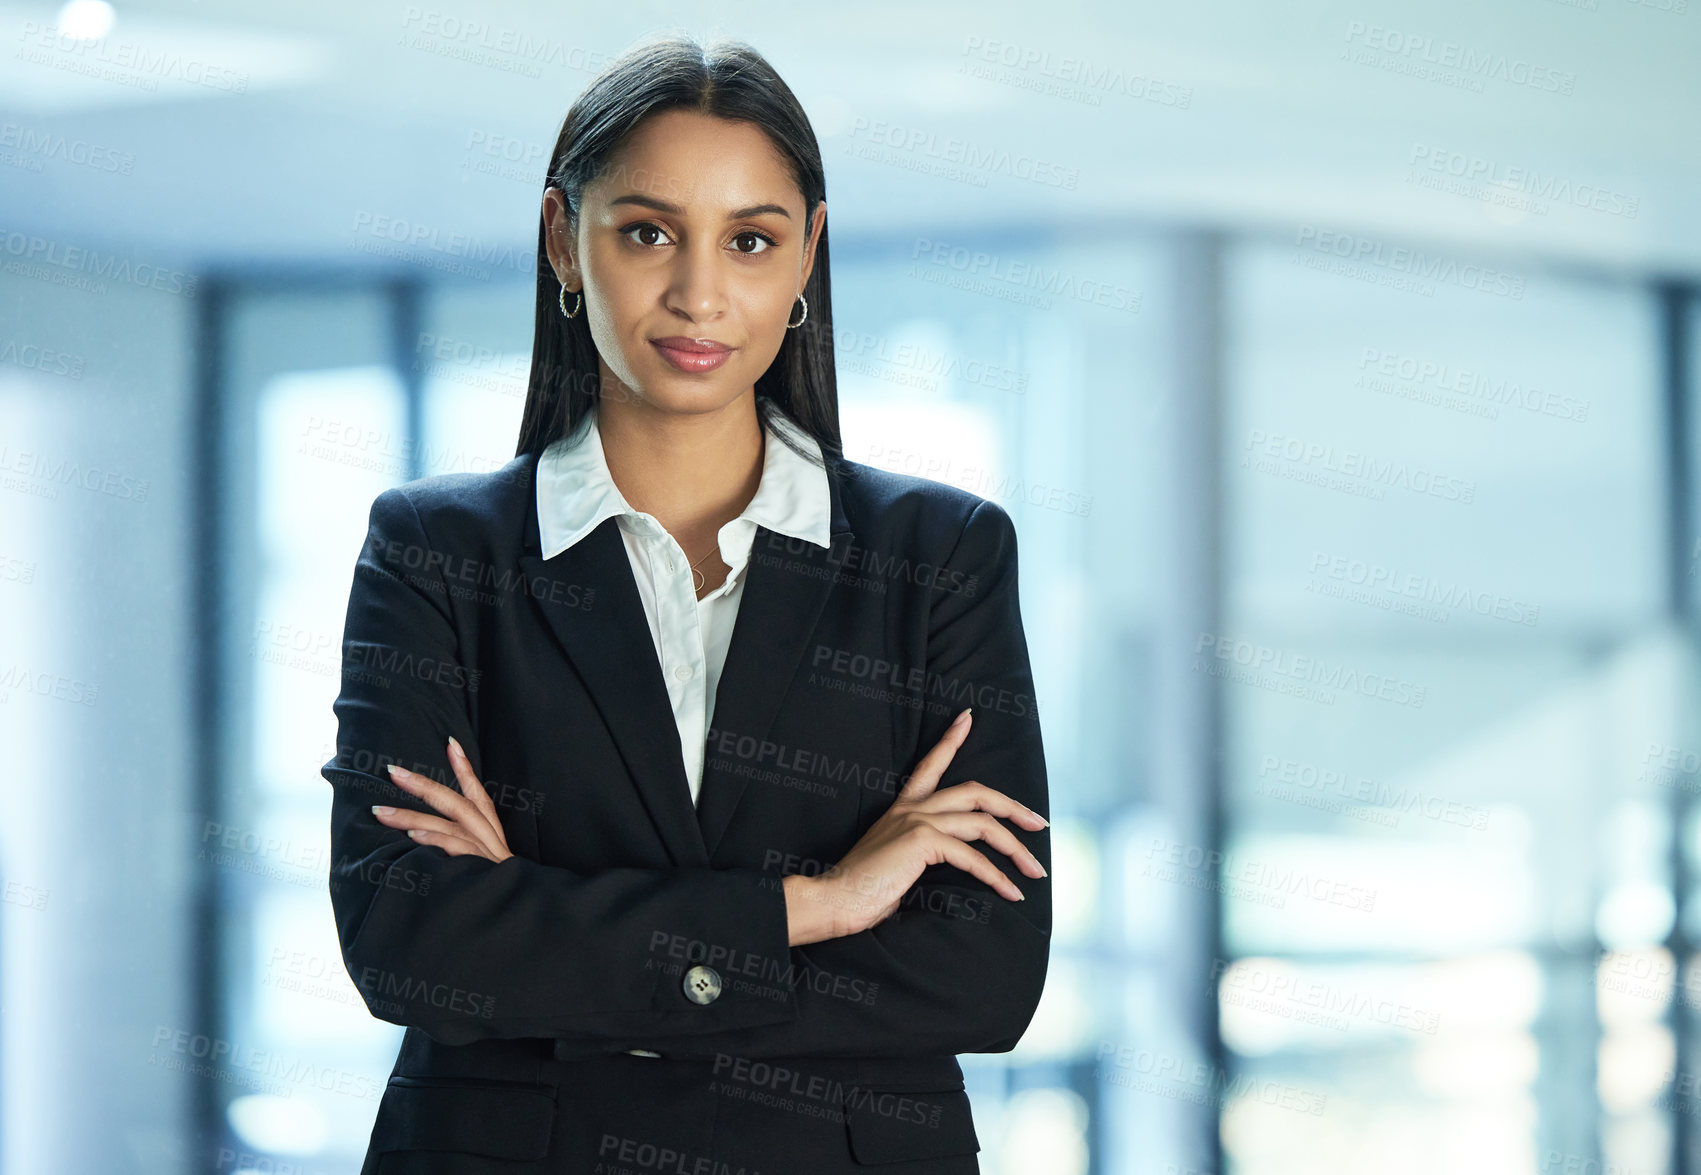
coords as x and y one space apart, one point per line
472 825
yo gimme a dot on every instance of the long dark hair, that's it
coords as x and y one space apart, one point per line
728 79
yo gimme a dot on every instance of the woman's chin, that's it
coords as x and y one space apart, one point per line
675 391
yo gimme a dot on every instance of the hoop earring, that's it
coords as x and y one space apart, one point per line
801 321
578 303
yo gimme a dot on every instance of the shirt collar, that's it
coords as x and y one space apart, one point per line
575 492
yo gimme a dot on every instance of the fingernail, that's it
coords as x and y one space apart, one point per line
1044 823
455 746
413 833
1043 871
382 809
961 718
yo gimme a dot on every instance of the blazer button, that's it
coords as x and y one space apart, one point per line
702 984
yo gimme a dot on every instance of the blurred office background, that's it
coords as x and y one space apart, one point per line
1337 362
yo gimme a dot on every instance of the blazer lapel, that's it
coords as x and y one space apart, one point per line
610 645
785 589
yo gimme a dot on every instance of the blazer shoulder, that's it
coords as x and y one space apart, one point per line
460 505
886 502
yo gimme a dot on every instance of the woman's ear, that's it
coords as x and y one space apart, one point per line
558 238
815 228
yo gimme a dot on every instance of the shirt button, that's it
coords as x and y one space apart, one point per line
702 984
682 671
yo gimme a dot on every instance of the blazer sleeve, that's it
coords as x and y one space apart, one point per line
465 948
959 968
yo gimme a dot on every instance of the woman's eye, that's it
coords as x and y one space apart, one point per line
767 242
644 227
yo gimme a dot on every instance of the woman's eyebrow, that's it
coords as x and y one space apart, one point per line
676 210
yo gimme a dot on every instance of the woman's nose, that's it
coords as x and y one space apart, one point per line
699 282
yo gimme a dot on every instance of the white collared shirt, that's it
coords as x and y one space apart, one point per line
575 492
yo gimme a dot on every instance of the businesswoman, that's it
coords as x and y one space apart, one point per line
689 796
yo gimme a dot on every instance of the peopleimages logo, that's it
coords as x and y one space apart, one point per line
22 252
39 145
1425 57
1017 274
1307 676
1350 253
1539 186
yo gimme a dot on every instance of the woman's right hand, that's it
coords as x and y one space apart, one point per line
924 826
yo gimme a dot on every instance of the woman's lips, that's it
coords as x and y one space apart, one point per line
692 354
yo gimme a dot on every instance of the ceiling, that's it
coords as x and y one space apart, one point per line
248 134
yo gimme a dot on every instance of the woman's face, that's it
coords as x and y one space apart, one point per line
694 235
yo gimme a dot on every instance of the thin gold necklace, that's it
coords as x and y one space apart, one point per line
698 579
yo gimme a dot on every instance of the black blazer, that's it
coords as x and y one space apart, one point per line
628 920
